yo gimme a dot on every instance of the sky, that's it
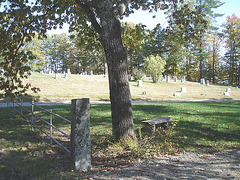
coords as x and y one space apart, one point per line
144 17
230 7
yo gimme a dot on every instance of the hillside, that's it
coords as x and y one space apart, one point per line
95 87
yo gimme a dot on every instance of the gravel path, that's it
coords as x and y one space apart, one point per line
224 165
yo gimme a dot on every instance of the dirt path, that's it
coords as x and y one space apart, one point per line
224 165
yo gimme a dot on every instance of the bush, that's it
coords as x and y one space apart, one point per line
137 74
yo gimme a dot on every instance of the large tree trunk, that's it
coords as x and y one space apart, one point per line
120 96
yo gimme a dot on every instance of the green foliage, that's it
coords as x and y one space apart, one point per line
232 56
137 74
155 66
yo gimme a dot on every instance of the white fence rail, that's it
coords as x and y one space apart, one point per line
20 104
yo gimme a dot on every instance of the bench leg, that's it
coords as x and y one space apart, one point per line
149 128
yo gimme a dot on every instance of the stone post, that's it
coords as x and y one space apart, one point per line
80 135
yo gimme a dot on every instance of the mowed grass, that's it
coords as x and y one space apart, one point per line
96 87
200 126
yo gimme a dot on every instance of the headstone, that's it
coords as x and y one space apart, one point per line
68 71
80 135
226 94
144 92
91 72
207 83
183 89
183 79
220 82
176 94
202 81
168 79
228 90
226 82
237 87
140 83
175 78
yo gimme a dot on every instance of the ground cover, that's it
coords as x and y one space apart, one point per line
95 87
202 127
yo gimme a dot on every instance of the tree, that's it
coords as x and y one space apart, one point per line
232 36
36 47
16 28
155 66
133 39
104 16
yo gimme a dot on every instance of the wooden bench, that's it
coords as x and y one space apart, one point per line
150 125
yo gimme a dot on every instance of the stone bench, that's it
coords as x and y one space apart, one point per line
150 125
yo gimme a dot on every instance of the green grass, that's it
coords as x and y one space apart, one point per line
200 126
96 87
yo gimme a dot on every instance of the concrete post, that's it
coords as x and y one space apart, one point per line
80 135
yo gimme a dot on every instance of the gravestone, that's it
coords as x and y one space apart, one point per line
207 83
226 82
68 71
175 78
144 92
226 94
176 94
228 90
91 73
140 83
183 89
168 79
183 79
220 82
80 135
202 81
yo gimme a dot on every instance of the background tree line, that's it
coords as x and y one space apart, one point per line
182 56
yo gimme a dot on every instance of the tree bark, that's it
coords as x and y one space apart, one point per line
120 96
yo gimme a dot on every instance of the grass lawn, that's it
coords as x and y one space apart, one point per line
197 126
96 88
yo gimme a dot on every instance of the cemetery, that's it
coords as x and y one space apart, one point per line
84 86
86 92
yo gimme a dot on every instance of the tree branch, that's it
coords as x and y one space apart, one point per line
121 8
90 15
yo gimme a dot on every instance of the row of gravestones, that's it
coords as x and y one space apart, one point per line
202 81
175 79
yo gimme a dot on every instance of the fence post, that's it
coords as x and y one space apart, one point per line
51 127
32 114
80 135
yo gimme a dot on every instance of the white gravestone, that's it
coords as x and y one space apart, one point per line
175 78
228 90
207 83
183 89
183 79
226 94
140 83
202 81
